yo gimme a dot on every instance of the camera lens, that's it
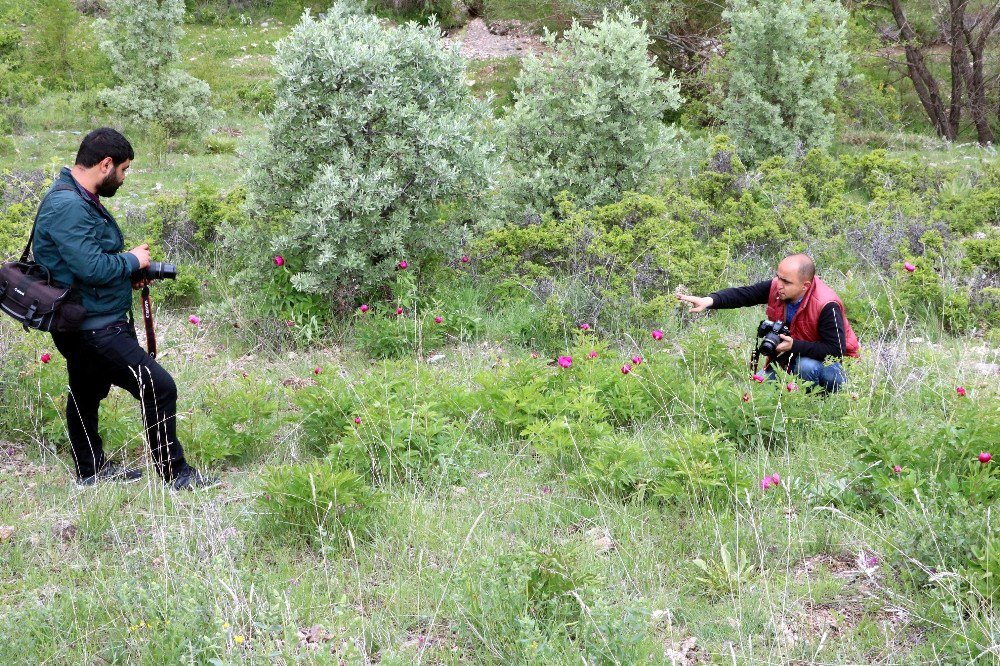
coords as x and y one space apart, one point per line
160 271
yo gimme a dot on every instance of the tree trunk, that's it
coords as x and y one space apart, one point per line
923 81
956 39
975 81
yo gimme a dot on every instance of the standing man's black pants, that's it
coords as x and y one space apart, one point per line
96 360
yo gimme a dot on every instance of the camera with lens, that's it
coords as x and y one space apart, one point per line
771 332
157 270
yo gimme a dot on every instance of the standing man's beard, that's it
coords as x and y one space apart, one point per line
108 186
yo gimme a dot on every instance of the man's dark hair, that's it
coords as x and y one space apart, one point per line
101 143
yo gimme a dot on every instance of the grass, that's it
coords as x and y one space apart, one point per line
149 576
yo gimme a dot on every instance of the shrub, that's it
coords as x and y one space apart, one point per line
617 467
955 549
35 395
754 415
561 417
60 46
785 60
399 442
143 50
934 457
967 209
394 134
627 254
15 225
930 293
185 290
728 222
320 501
393 424
257 96
384 336
696 466
261 299
984 252
20 193
241 418
987 307
588 118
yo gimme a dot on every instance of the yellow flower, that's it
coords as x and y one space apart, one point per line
238 639
225 625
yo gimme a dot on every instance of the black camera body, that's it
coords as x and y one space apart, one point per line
771 332
156 270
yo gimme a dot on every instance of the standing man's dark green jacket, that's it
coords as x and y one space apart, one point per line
80 242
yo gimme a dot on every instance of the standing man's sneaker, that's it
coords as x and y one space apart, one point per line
111 472
191 479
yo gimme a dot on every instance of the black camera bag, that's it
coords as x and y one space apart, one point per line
28 295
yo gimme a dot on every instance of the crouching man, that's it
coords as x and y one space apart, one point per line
819 333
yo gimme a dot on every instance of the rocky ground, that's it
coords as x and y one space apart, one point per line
498 39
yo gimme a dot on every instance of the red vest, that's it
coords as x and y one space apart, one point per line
805 324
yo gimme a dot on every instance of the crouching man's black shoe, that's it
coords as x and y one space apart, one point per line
191 479
111 472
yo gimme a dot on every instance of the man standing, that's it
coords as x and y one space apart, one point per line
812 311
80 243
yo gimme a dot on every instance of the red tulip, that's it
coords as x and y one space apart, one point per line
960 391
985 457
592 354
403 265
357 420
910 267
317 370
565 361
626 369
279 260
46 357
584 327
438 320
657 334
465 258
364 307
636 360
897 469
399 311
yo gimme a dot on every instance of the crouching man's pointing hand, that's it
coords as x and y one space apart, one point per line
698 303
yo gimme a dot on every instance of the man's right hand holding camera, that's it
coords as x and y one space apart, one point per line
142 254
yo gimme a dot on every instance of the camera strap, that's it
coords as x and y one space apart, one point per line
147 318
